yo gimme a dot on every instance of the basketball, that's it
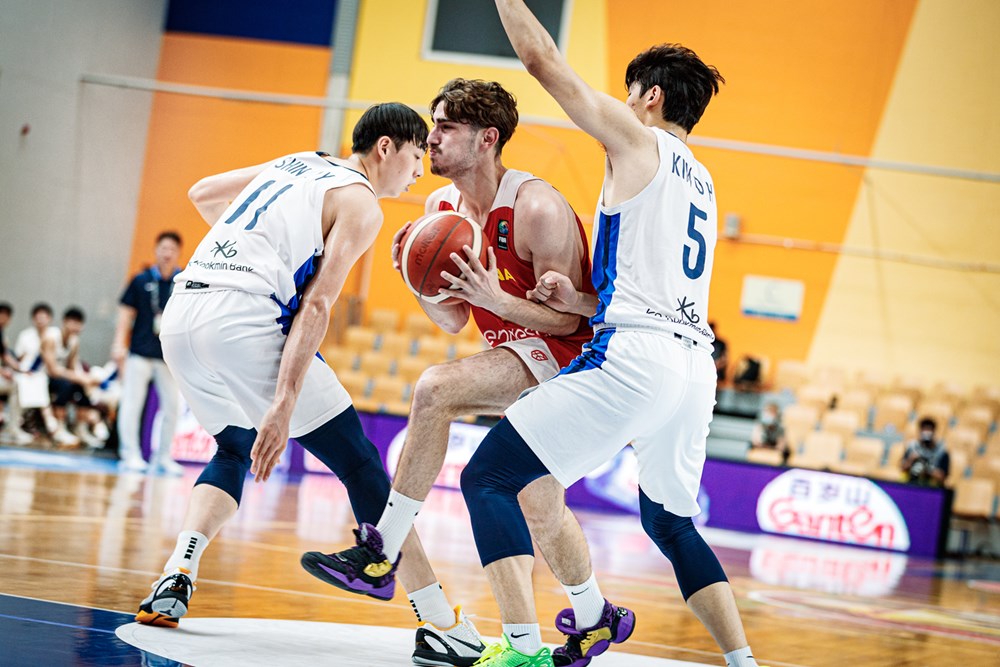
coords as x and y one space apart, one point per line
425 251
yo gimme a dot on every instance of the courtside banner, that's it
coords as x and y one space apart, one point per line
735 495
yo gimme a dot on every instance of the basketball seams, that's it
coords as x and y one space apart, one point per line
413 234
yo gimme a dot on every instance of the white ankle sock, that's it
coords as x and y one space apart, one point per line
397 519
741 657
431 606
190 545
524 637
587 601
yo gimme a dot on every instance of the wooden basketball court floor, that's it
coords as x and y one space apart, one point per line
80 545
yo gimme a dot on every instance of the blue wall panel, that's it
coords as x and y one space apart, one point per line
297 21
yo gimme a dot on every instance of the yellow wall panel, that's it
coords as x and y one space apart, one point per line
945 110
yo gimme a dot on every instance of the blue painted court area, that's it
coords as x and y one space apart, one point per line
38 633
45 460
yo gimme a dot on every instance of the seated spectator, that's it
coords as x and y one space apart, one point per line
748 374
926 461
69 382
769 433
31 367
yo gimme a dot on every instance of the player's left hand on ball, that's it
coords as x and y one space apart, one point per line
477 284
272 438
397 237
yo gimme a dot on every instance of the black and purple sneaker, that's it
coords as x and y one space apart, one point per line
616 625
362 569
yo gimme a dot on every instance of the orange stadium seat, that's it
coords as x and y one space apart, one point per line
376 364
383 320
820 450
360 339
418 324
396 344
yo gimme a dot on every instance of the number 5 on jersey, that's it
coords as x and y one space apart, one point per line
699 263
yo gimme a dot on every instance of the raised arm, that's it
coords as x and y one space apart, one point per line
213 194
601 116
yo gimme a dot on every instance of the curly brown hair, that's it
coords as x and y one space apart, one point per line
481 104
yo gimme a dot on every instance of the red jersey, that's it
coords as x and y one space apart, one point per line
517 275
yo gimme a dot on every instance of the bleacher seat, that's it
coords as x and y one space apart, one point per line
360 339
383 320
820 450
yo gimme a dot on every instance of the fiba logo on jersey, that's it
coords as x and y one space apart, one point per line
503 229
538 355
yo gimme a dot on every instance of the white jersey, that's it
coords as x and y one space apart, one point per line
268 240
653 253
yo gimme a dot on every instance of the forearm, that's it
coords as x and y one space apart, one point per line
450 317
307 333
537 316
531 42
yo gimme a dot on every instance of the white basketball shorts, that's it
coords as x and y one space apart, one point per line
224 349
646 387
536 355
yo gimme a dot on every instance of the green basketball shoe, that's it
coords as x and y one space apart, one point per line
504 655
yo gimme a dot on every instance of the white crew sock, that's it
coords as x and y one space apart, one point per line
190 546
587 601
431 606
397 520
741 657
524 637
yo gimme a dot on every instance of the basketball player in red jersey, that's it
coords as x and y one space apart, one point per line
529 228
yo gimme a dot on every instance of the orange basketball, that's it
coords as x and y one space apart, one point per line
425 251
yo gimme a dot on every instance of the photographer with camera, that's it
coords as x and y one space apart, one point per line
926 461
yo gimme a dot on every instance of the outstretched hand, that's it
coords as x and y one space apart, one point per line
272 438
556 291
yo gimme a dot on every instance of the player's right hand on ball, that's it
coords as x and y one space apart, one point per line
554 290
395 244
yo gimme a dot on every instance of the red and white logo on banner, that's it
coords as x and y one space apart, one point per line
836 508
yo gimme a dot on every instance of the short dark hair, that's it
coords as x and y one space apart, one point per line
169 234
481 104
687 83
41 307
74 313
6 308
927 422
390 119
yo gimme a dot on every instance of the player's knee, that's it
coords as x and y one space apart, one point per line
430 393
229 466
543 510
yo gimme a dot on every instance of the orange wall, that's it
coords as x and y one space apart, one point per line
191 137
803 75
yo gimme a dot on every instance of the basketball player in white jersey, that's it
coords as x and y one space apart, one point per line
247 316
529 229
647 376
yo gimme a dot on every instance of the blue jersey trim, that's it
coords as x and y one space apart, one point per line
593 356
605 269
288 310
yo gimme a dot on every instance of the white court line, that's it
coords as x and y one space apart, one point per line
352 599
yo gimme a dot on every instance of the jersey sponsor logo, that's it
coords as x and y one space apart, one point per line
227 249
680 320
687 310
221 266
497 336
538 355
